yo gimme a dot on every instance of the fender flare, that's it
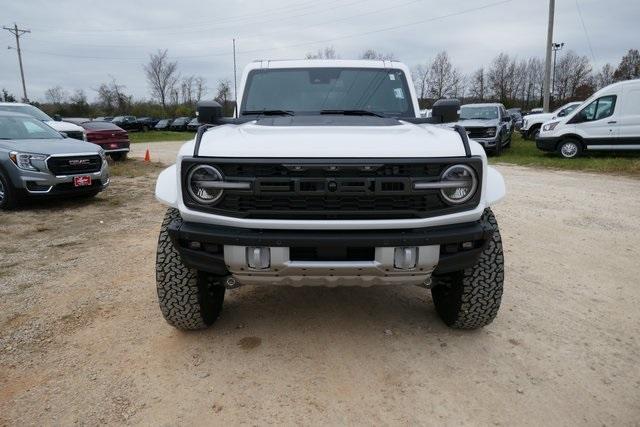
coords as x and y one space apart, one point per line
496 188
167 187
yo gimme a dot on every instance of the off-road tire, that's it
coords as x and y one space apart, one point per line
118 157
470 299
10 199
188 299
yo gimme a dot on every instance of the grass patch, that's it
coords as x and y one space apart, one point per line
525 153
133 168
159 136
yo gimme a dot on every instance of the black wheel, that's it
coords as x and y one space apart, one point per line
497 151
533 133
570 148
508 144
188 299
8 196
117 157
145 128
470 299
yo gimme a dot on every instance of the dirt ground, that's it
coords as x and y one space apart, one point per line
82 340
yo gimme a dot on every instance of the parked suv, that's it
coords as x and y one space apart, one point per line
70 129
36 161
329 177
488 124
533 122
608 121
129 123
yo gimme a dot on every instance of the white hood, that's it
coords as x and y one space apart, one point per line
404 140
64 126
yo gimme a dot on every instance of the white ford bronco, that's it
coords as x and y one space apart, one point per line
329 176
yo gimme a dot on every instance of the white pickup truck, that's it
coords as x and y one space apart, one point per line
328 176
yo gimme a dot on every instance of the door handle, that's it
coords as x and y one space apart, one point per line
612 122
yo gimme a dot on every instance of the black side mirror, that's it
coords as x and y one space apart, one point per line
57 118
446 110
562 113
209 112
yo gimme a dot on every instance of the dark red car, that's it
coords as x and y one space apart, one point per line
113 139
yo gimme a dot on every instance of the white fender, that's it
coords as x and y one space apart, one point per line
166 187
496 189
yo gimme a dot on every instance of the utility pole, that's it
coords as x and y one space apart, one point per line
235 87
547 63
556 47
18 32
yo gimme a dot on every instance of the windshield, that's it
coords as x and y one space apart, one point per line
118 119
22 127
567 108
478 113
27 109
313 90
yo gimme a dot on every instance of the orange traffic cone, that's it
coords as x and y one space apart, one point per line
147 155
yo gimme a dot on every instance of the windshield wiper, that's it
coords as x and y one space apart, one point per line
352 113
269 113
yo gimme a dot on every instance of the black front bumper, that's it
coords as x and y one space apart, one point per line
209 256
547 144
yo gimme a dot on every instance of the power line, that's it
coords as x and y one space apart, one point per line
586 33
17 32
328 40
229 19
262 33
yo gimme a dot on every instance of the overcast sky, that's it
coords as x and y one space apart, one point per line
77 44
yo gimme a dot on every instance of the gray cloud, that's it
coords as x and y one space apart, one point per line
79 44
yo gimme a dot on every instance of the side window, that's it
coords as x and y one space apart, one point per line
598 109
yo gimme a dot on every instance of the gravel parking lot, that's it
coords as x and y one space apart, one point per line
82 340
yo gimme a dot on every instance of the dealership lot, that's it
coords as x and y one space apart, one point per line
82 339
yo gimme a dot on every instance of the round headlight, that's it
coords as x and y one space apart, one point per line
197 184
461 184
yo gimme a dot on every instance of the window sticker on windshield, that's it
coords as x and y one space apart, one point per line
399 93
392 76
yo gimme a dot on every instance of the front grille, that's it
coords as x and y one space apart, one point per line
335 189
74 165
481 132
75 134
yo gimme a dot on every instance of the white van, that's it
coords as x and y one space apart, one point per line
608 121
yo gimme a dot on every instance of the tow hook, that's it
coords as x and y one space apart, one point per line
231 283
427 284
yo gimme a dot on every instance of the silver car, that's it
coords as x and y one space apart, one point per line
37 161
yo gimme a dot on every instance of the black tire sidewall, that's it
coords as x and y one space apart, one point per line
9 201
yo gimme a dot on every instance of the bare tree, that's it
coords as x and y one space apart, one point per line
200 89
223 92
478 84
443 76
112 98
55 95
328 52
421 80
629 67
7 97
372 54
572 71
186 89
604 76
161 76
500 76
